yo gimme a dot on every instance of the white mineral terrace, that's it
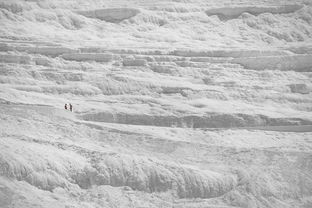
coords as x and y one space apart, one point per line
176 103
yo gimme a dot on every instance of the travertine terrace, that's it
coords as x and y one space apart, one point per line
176 103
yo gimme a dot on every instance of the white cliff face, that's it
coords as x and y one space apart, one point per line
175 103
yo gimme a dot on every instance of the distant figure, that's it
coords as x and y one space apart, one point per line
65 106
70 107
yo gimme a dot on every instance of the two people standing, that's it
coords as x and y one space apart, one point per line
70 107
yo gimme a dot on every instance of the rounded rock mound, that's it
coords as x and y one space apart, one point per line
114 15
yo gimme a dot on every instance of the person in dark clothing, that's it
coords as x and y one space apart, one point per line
65 106
70 107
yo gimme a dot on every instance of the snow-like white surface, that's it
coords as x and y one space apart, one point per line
176 103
